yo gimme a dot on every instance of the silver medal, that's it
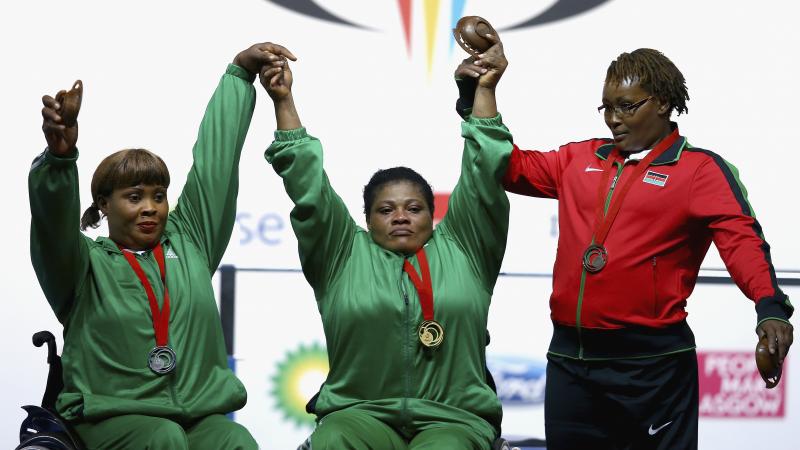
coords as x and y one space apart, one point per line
161 360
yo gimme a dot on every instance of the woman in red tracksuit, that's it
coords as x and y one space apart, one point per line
637 214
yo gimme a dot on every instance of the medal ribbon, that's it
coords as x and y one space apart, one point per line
604 219
160 318
424 286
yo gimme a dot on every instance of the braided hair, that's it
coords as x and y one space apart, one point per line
655 73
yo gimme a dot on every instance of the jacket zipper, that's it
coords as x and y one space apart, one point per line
406 353
583 273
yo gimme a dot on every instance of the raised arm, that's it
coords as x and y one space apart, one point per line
207 206
477 215
58 251
321 221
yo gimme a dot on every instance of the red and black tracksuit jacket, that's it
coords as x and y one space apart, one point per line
634 307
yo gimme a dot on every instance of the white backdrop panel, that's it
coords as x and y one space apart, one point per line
149 68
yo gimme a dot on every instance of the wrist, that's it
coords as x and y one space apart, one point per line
283 102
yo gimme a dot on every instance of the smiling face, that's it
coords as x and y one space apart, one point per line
399 218
639 128
136 215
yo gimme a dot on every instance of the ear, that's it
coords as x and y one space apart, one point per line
664 108
102 205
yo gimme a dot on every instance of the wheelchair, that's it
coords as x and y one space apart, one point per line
44 429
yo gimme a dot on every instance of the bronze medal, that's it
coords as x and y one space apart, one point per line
70 104
595 258
769 367
470 32
431 333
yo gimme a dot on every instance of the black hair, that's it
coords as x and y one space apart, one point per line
395 175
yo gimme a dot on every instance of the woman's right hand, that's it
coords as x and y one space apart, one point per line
276 77
60 138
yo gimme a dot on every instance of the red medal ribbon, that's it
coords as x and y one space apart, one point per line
604 219
160 318
424 286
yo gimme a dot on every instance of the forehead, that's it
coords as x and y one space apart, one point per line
623 90
397 191
143 187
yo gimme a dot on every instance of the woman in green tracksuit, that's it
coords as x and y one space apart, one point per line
390 386
124 326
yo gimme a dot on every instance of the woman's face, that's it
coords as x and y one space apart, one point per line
136 215
639 128
400 219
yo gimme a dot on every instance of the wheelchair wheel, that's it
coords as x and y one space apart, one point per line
47 441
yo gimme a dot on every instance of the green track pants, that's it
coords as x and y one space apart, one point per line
357 430
154 433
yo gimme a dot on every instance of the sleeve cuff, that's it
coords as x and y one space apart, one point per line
291 135
240 72
776 307
495 121
55 160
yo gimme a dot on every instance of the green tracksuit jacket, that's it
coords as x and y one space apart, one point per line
108 329
370 309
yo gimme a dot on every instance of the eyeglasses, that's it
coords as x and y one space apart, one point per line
624 110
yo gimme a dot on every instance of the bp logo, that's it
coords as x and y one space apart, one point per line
298 377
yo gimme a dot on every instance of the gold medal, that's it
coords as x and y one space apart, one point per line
431 333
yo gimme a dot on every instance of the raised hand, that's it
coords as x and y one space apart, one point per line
468 69
276 77
61 139
256 56
493 60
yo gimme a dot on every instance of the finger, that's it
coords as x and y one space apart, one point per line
270 72
50 102
474 67
279 49
275 81
784 342
50 114
491 62
771 340
471 71
279 62
53 128
493 38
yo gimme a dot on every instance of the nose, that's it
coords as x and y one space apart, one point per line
148 207
612 118
400 217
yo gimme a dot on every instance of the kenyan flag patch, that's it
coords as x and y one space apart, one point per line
659 179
